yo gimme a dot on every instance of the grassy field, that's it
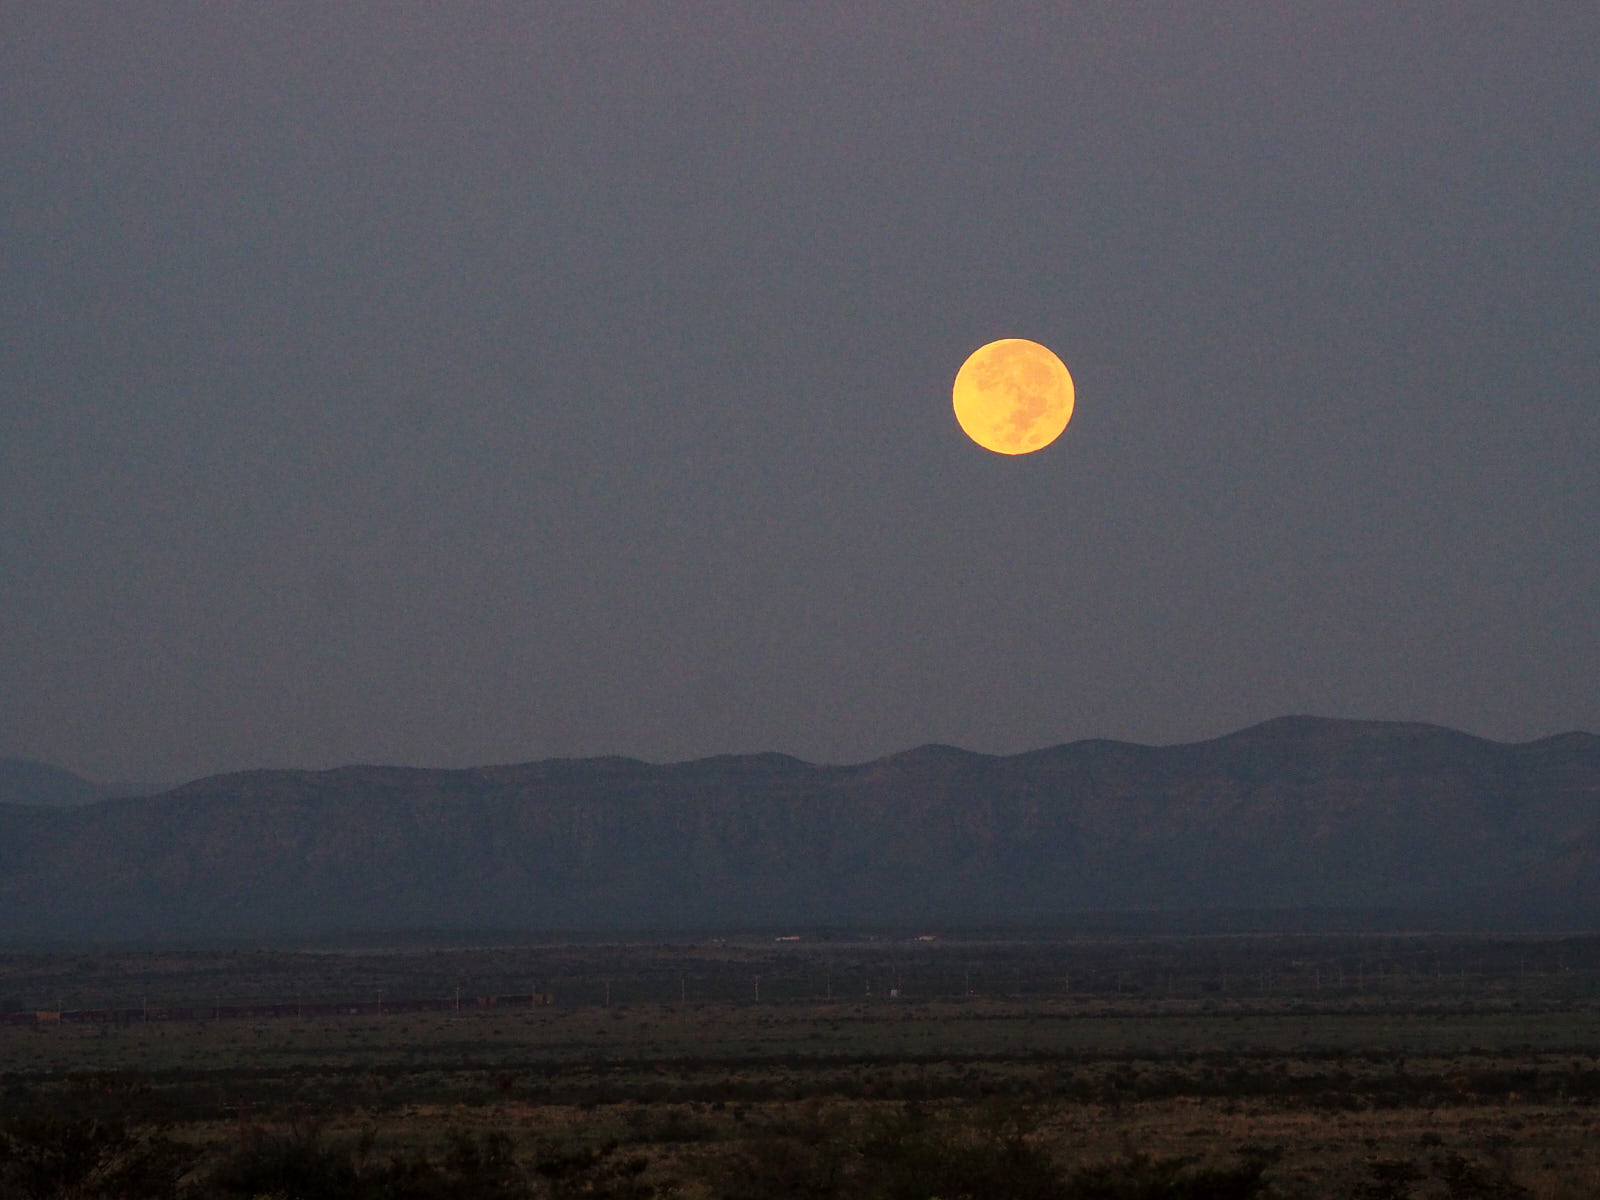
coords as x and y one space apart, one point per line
886 1067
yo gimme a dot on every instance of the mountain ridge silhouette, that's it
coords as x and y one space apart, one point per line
1290 814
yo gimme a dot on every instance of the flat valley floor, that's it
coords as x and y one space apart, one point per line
897 1065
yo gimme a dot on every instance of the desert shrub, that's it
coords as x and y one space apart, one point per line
1391 1179
912 1156
784 1168
45 1155
1140 1177
676 1125
483 1166
1465 1179
598 1174
802 1159
966 1154
1461 1178
294 1163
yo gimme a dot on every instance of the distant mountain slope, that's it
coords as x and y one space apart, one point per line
1295 813
23 781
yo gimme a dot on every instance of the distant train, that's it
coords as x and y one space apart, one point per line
257 1012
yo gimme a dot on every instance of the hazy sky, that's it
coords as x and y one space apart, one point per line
447 384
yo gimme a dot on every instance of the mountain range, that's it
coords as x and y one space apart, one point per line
1297 814
25 781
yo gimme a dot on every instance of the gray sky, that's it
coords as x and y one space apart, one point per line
447 384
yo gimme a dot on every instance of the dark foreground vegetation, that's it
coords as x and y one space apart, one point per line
893 1068
905 1152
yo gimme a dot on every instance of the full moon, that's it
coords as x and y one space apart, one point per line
1013 396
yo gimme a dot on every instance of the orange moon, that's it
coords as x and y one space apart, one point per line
1013 396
